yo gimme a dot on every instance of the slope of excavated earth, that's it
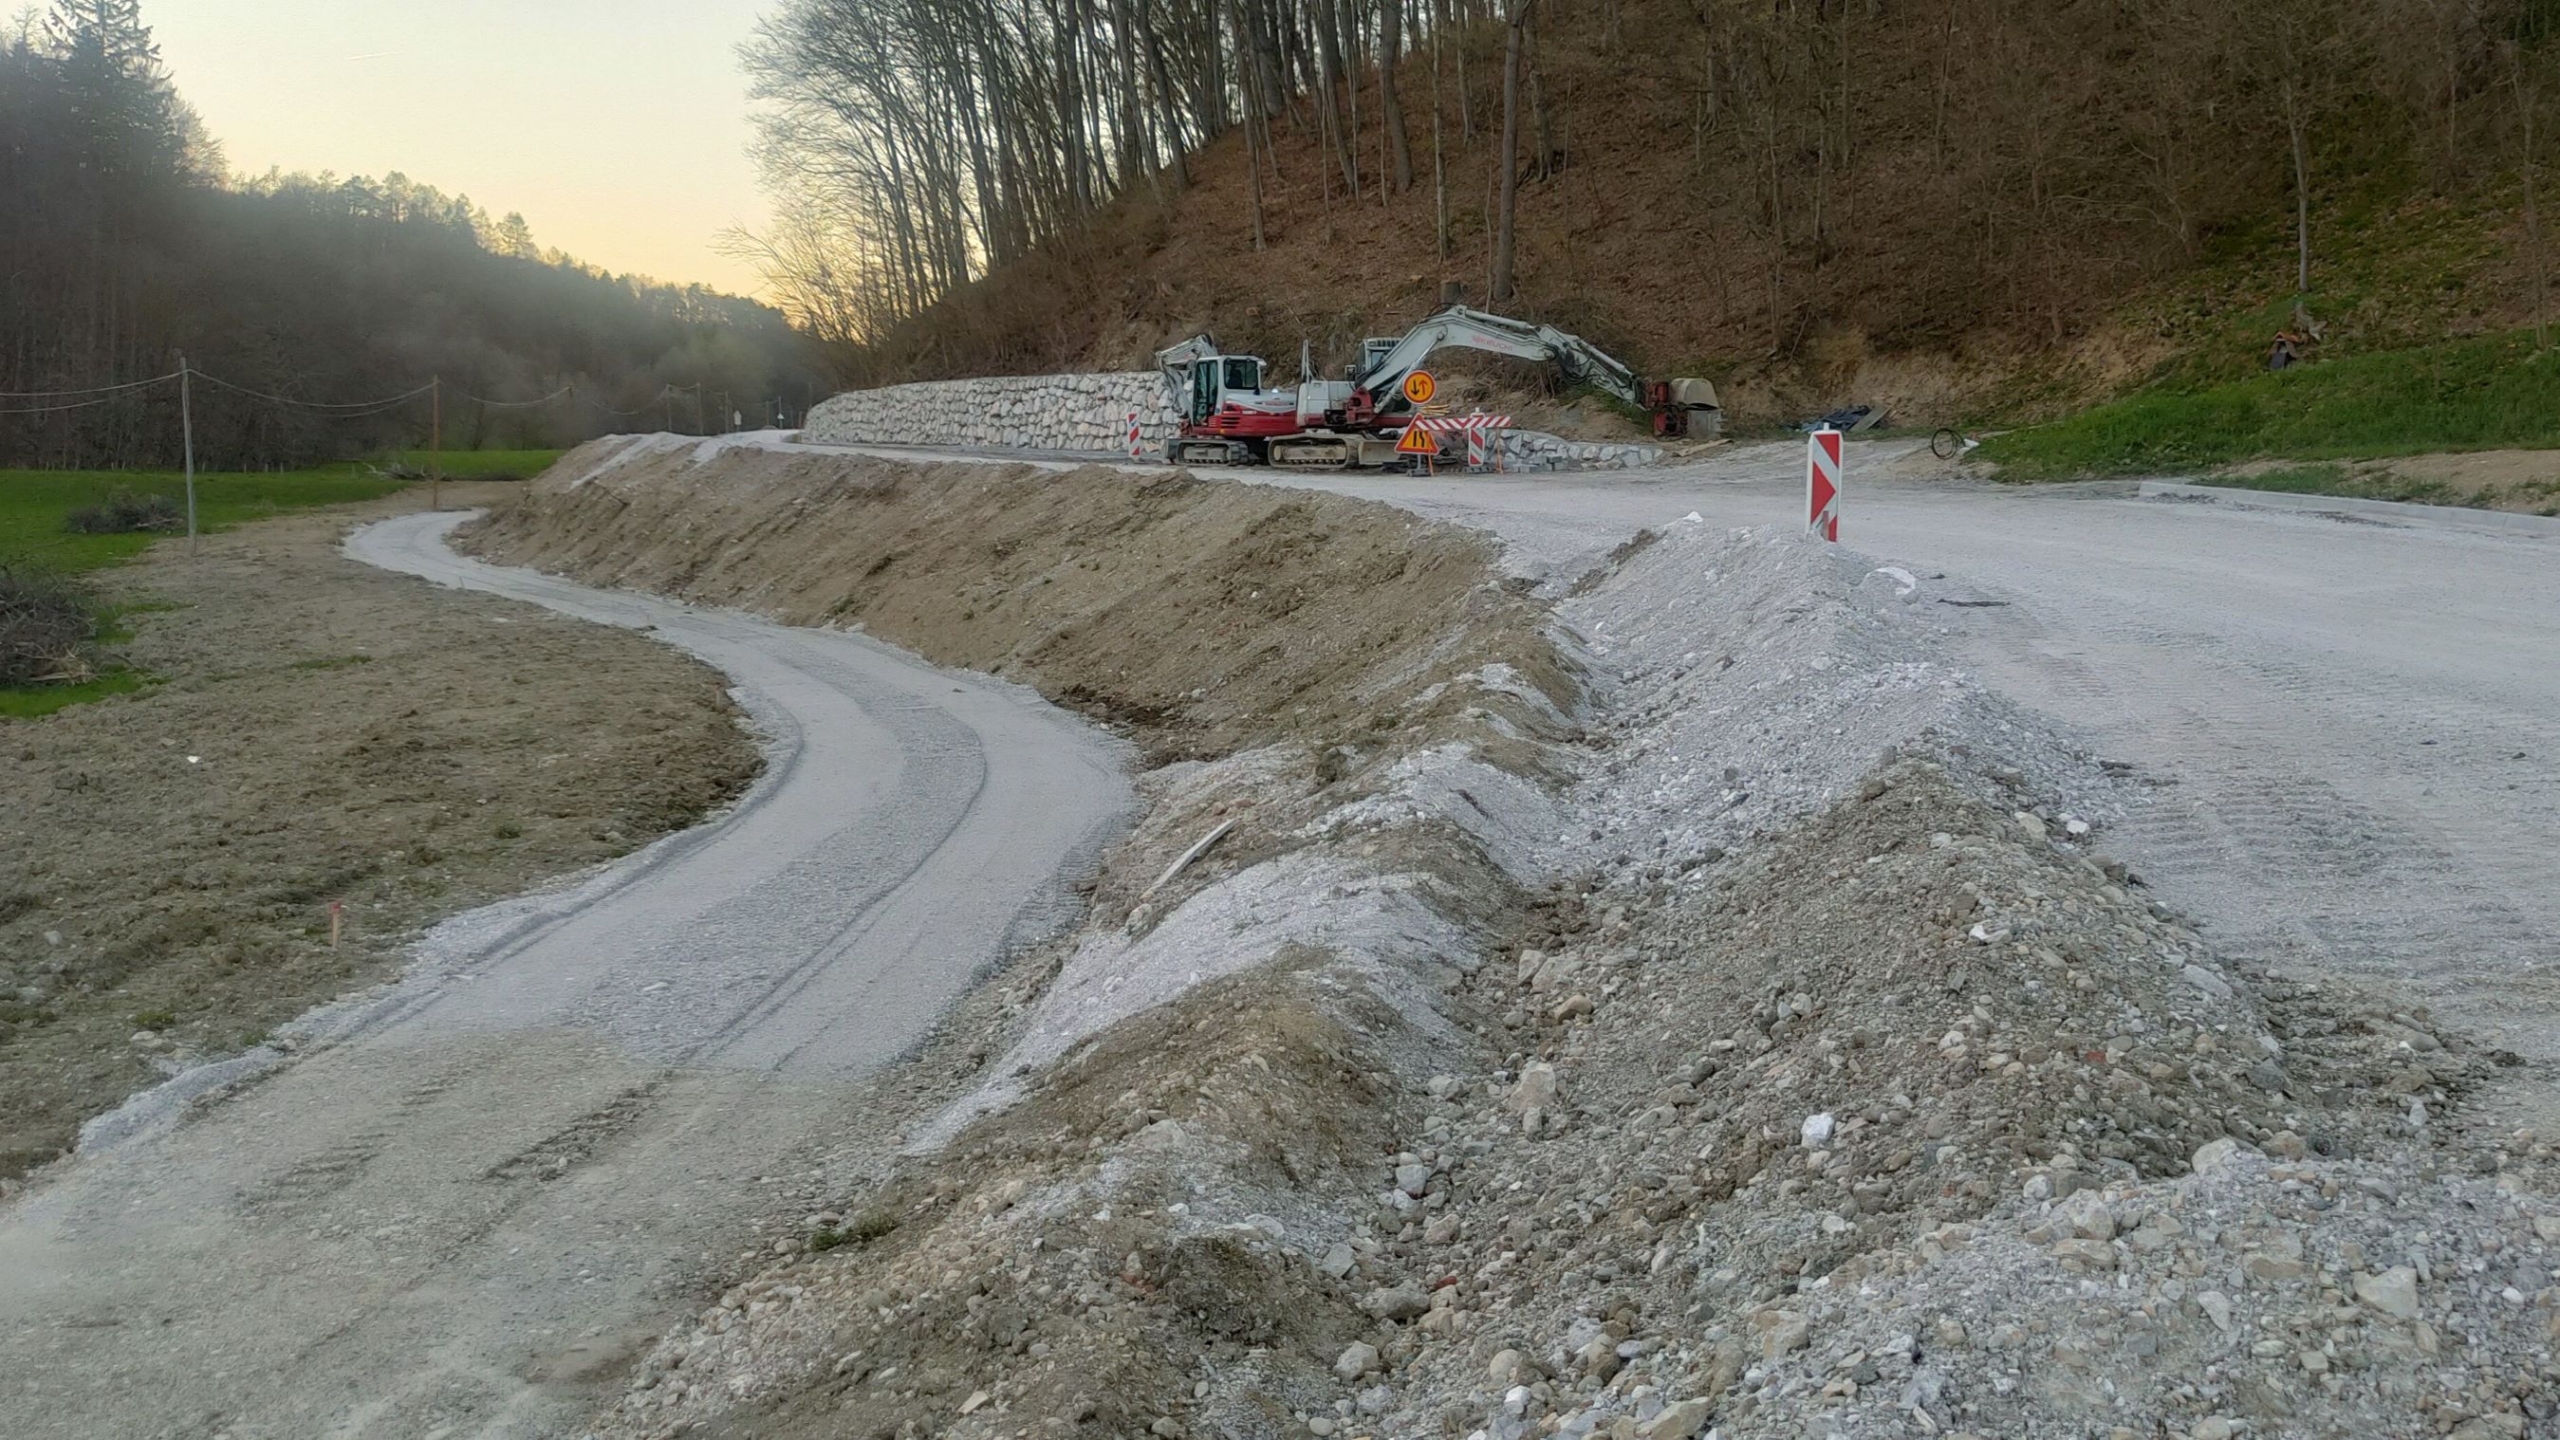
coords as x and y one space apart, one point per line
319 733
1201 617
1757 1038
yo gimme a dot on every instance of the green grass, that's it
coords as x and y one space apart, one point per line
34 702
484 464
2488 393
34 502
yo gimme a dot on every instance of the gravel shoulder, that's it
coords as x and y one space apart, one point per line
320 734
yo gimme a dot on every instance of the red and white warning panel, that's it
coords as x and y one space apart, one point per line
1822 484
1137 446
1477 428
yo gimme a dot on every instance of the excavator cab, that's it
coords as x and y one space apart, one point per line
1215 377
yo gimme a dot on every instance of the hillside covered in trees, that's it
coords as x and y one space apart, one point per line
1946 204
123 244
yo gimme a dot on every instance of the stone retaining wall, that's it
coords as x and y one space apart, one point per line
1013 412
1090 414
1537 450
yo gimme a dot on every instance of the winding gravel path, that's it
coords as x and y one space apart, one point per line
490 1182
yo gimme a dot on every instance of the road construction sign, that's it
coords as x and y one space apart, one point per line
1822 484
1417 441
1419 387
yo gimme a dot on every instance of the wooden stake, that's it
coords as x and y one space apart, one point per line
187 429
435 452
336 908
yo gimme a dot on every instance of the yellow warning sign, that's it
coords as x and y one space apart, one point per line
1417 441
1419 387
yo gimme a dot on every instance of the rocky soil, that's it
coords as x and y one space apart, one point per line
321 733
1722 1017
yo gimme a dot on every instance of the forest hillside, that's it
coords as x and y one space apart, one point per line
1957 208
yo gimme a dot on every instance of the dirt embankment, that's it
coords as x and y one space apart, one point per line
321 732
1201 617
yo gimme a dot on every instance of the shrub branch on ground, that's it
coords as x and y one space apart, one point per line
46 624
126 512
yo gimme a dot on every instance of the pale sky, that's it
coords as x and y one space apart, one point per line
619 127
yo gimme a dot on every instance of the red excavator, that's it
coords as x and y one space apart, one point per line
1231 416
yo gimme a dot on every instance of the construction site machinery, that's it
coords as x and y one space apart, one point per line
1231 415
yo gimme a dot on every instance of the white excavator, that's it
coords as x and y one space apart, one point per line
1230 415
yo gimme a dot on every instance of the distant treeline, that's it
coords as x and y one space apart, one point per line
123 244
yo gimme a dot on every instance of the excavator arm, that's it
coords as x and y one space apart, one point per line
1580 360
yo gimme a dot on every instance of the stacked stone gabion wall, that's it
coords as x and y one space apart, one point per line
1090 414
1537 450
1013 412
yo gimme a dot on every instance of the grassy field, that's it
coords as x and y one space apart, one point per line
483 464
2489 393
34 504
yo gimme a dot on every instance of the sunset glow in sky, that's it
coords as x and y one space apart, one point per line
619 127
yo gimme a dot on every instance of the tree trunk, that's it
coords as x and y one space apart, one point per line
1346 14
1504 240
1538 110
1439 161
1390 104
1329 53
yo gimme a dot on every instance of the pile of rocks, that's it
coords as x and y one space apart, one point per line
1919 1122
1083 414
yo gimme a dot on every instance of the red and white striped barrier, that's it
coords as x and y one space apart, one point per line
1137 446
1822 484
1477 428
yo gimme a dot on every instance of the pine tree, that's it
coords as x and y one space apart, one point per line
124 110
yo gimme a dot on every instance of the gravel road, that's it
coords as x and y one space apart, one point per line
2352 723
488 1184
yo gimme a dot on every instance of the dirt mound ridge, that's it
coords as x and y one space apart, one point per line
1202 617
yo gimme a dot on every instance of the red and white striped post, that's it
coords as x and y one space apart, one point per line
1822 484
1137 446
1475 448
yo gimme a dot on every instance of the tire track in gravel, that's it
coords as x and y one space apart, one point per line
487 1185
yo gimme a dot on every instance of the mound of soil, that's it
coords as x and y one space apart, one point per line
321 733
1200 617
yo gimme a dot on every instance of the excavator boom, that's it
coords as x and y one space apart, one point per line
1580 360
